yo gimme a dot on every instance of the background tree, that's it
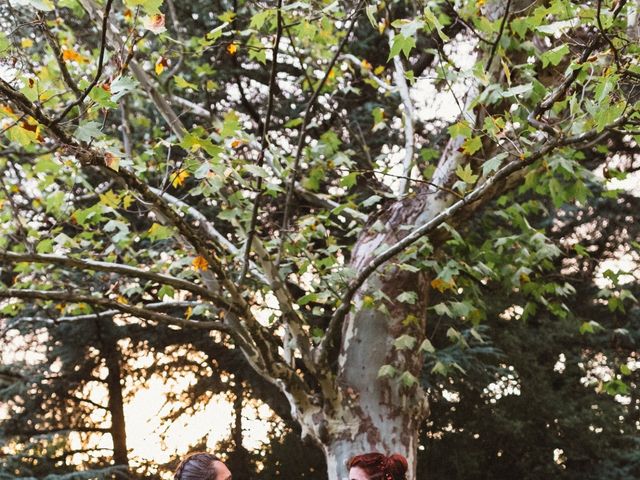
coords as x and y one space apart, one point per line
172 165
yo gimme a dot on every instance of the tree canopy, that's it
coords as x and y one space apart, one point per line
346 210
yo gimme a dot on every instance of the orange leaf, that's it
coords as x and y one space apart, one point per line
232 48
199 263
73 56
441 285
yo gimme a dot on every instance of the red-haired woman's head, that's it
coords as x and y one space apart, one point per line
377 466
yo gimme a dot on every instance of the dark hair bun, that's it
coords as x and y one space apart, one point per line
397 465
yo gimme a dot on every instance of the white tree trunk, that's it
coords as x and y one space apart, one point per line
338 452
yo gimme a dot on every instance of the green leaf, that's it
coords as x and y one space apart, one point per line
258 19
440 368
42 5
387 371
493 163
442 310
309 297
472 145
606 116
427 346
256 170
460 129
408 379
518 90
87 131
182 83
466 174
590 327
403 44
554 56
230 125
433 21
371 10
349 180
159 232
5 44
404 342
294 122
121 86
150 6
227 16
408 297
47 165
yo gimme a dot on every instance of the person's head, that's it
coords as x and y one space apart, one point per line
202 466
376 466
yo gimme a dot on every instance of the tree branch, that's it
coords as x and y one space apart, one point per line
140 312
409 121
11 257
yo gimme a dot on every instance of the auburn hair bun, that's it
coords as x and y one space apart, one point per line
397 465
379 466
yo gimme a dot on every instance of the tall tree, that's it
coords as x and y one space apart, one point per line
220 155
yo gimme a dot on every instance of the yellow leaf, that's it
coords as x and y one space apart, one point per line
122 300
379 69
199 263
232 48
26 43
127 200
506 70
480 3
188 313
110 199
332 74
365 65
177 179
161 64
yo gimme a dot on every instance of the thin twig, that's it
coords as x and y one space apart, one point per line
302 132
263 144
494 46
57 53
96 78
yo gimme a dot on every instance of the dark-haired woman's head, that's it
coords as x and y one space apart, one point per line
202 466
376 466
